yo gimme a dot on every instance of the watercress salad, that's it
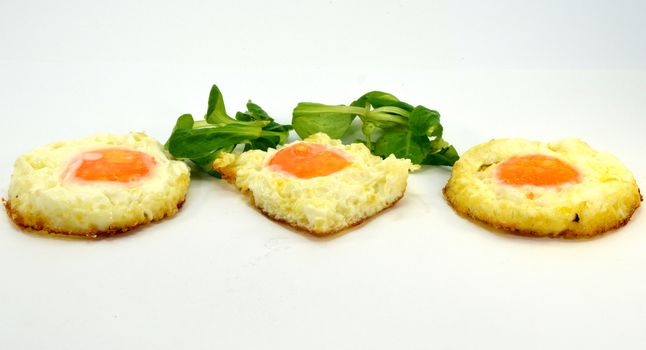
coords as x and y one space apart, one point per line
202 141
389 126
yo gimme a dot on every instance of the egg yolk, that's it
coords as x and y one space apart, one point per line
114 165
305 160
537 170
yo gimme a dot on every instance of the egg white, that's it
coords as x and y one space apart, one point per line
320 205
42 195
605 198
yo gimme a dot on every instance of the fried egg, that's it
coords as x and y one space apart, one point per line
317 185
96 186
560 189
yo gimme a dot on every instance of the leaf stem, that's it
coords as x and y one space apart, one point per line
393 110
386 117
330 109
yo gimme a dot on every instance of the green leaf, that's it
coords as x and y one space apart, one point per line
206 163
309 118
368 129
403 145
203 140
422 119
185 121
256 112
381 99
401 129
271 136
447 156
261 143
438 144
386 117
216 112
198 143
244 117
276 128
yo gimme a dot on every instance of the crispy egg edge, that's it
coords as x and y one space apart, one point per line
454 199
224 164
39 224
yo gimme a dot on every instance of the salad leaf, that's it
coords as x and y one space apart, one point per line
445 156
403 144
202 141
389 126
310 118
381 99
423 121
216 113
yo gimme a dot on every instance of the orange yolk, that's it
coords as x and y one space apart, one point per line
305 160
113 164
537 170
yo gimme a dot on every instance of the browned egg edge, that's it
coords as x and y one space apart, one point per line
566 234
91 234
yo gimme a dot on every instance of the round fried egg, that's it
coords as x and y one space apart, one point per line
560 189
317 185
96 186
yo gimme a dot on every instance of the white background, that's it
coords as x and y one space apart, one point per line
221 276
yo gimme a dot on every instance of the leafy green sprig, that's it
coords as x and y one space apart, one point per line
202 141
390 126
